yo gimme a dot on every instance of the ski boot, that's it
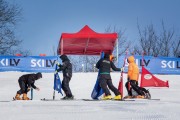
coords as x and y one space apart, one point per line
17 97
108 97
117 97
68 98
25 97
128 97
140 96
147 95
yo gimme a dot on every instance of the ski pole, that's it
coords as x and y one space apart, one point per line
31 93
54 95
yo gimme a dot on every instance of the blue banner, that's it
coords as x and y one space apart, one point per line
156 65
28 64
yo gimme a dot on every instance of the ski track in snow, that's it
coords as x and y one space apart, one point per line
165 109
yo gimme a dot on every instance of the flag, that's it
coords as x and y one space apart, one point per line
149 80
97 90
57 83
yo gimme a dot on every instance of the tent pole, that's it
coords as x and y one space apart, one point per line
62 47
117 50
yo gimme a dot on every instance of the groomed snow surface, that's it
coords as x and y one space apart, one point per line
168 108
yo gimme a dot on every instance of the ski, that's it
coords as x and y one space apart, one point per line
5 101
45 99
19 100
142 99
107 100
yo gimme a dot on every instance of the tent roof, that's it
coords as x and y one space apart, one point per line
86 42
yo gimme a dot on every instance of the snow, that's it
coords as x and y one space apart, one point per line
82 84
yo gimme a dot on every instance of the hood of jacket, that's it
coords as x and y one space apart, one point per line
131 59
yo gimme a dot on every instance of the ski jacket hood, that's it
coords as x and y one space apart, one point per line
133 70
64 58
131 59
106 56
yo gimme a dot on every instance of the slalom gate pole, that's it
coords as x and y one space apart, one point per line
55 81
54 95
120 87
142 64
31 93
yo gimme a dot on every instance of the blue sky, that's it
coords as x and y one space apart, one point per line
45 20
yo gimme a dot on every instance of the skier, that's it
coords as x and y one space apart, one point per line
104 65
25 83
132 81
66 68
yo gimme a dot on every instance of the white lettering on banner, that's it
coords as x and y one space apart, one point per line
2 62
38 63
42 63
9 62
170 64
137 62
33 63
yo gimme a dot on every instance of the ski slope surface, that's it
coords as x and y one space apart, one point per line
168 108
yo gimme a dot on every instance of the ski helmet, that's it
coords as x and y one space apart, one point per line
39 75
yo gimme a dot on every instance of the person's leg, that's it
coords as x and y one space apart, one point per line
128 89
146 93
111 87
103 85
25 97
135 87
65 87
21 91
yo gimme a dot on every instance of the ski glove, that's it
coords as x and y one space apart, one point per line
28 89
122 69
37 89
55 72
57 63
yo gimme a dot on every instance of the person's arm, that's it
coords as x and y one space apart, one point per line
130 70
33 86
30 81
98 64
62 67
114 67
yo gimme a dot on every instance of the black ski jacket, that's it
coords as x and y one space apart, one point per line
66 67
29 80
104 65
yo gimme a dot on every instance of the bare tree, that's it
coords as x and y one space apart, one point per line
165 41
123 44
176 48
148 40
9 17
154 44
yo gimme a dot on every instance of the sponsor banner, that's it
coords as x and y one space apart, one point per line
28 64
156 65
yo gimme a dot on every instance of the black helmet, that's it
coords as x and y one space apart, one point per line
106 55
64 58
39 75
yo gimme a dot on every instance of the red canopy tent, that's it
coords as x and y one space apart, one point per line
86 42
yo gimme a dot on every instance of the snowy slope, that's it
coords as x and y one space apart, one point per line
81 84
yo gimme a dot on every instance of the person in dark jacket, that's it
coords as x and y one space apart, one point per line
104 65
66 68
25 83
